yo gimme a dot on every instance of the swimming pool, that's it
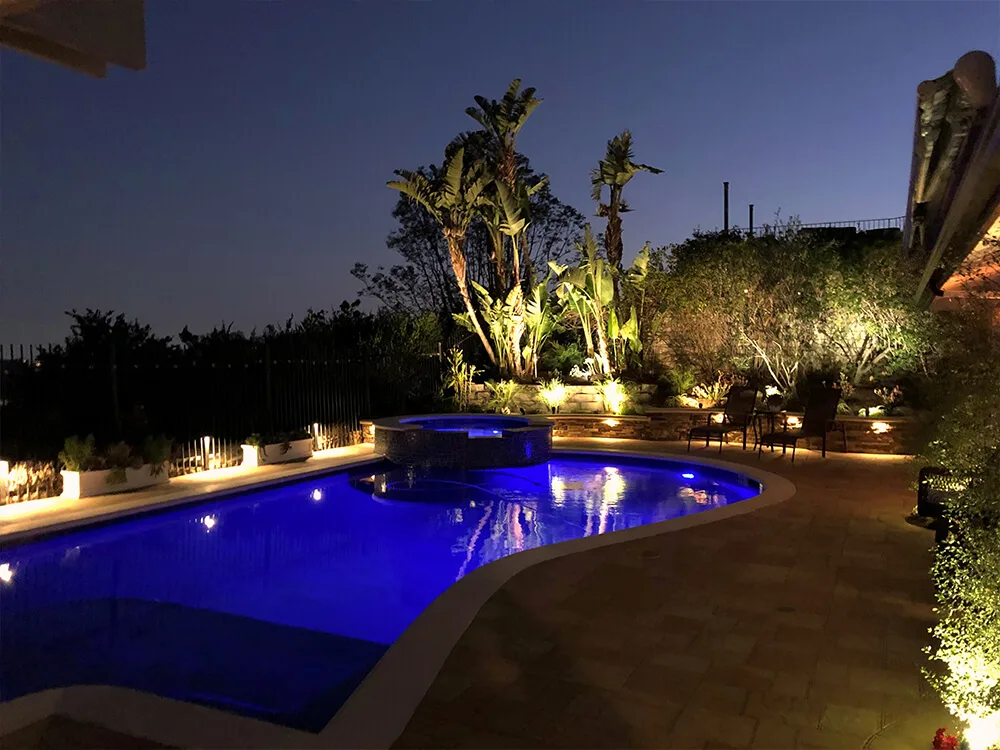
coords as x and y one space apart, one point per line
276 603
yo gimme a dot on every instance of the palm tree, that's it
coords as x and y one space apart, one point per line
501 122
615 170
452 198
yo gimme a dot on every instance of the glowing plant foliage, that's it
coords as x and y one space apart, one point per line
553 394
714 392
503 393
614 396
966 442
458 379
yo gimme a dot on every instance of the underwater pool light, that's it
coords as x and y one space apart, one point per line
687 475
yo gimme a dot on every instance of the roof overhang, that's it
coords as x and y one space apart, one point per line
85 35
954 198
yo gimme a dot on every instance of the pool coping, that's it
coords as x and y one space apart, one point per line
377 712
75 514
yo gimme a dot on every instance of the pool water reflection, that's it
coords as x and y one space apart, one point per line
277 603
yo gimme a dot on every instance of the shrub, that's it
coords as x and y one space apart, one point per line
714 392
613 395
156 452
503 393
678 380
459 379
553 394
117 459
282 439
79 455
562 358
964 438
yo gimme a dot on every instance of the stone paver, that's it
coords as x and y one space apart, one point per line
798 625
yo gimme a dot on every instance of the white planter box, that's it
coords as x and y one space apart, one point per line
265 455
77 484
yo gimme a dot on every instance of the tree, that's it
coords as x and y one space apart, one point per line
424 281
766 293
869 324
451 198
501 122
588 290
614 172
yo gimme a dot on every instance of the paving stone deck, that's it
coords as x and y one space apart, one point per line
796 626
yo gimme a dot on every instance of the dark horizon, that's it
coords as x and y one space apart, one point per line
241 175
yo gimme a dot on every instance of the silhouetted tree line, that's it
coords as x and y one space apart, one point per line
116 378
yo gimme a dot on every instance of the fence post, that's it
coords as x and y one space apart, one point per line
114 394
267 386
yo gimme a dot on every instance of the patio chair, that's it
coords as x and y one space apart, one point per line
935 488
737 416
819 419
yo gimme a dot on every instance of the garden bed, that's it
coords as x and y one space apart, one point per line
277 453
580 399
78 484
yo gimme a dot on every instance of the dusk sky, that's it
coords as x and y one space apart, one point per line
242 173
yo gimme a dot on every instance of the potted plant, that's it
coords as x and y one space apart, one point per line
773 398
120 468
277 448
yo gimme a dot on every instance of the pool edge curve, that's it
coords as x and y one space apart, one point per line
377 712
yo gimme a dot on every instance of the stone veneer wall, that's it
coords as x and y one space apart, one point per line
520 446
673 424
581 399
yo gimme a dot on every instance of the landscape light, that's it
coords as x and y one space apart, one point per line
793 422
687 475
611 422
880 428
553 394
614 396
983 732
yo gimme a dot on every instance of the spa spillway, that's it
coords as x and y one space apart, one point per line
464 441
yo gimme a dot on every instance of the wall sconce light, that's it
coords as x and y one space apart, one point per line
880 428
610 422
793 422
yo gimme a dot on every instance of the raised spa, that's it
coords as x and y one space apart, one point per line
464 441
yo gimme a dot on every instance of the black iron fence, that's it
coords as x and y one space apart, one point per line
207 403
860 225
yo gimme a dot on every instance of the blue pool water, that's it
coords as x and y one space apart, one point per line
276 603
